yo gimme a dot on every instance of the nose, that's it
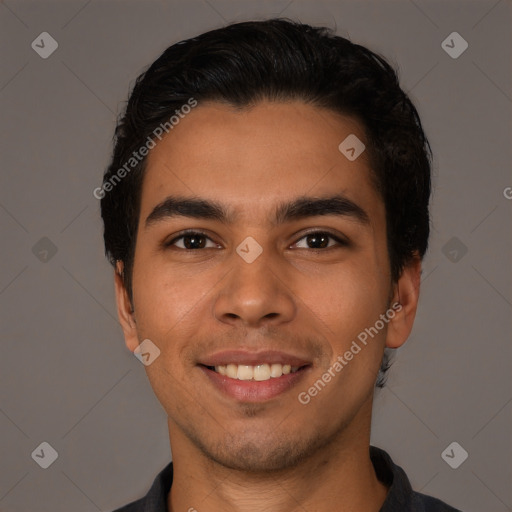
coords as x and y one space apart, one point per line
255 294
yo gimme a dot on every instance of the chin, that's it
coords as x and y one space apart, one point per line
263 455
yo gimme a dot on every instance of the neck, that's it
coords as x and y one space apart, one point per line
339 476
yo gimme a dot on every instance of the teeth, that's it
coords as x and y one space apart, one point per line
276 370
245 372
259 372
231 370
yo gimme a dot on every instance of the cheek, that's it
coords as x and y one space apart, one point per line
347 299
349 305
162 300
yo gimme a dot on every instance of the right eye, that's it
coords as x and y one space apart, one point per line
191 240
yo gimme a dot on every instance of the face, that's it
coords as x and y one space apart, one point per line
282 264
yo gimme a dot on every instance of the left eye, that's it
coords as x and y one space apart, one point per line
319 240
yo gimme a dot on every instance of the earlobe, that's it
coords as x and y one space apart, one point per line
124 310
404 303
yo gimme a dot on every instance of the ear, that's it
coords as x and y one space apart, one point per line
124 310
404 303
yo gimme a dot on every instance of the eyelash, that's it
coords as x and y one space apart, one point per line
182 234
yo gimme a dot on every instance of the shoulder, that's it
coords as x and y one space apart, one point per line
401 496
156 498
134 506
425 503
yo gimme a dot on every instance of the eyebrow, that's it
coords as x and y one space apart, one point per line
299 208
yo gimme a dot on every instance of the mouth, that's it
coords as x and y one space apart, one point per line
260 372
253 377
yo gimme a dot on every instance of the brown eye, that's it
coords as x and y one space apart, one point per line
320 240
192 241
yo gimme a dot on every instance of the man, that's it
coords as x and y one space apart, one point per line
266 212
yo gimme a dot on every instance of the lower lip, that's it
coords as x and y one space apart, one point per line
251 390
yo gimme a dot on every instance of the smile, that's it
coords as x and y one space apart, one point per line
260 372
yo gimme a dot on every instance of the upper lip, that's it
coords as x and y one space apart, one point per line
253 358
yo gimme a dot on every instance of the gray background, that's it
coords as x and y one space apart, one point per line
67 378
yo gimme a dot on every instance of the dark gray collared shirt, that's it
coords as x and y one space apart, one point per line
400 498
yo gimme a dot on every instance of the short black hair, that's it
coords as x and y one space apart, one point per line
277 60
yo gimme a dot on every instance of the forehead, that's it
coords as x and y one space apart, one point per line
255 157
